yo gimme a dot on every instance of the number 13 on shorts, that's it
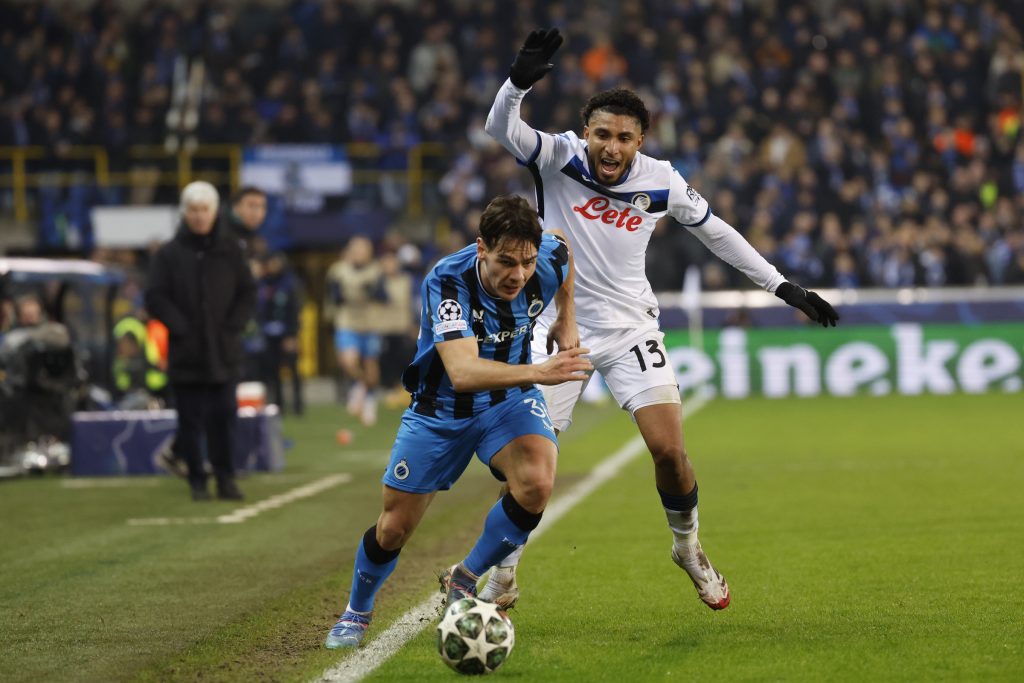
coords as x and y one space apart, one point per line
654 353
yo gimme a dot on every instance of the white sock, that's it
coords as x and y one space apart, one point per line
683 525
348 608
512 559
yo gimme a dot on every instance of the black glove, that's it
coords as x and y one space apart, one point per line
534 58
816 308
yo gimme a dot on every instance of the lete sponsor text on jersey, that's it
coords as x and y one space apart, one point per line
598 208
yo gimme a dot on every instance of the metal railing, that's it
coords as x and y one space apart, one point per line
25 169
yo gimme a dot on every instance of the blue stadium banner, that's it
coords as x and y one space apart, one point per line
302 175
127 442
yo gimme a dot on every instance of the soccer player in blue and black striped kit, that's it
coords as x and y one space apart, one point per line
473 391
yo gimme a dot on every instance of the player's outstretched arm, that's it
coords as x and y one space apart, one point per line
726 243
816 308
469 372
567 365
563 331
689 208
533 61
531 64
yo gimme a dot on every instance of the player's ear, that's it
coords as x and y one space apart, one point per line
640 141
481 248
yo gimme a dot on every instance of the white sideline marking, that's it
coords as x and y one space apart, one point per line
109 483
169 521
249 511
366 660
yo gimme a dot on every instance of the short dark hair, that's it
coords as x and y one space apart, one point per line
618 101
509 217
244 191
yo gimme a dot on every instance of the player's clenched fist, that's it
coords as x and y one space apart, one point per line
566 366
534 58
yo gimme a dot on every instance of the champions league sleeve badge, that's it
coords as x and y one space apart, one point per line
449 316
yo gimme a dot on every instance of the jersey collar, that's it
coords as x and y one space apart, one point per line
480 280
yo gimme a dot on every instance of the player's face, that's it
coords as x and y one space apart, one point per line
612 142
505 269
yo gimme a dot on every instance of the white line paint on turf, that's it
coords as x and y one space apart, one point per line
366 660
109 483
170 521
249 511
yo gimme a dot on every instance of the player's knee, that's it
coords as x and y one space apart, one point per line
533 488
670 458
393 532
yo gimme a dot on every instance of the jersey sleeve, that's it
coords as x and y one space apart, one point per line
531 147
685 204
727 244
446 310
692 210
552 263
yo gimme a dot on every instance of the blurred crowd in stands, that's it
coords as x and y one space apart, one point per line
874 143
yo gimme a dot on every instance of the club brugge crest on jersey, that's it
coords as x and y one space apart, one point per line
401 470
641 200
535 307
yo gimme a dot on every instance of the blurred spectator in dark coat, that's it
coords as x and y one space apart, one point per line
201 288
278 304
245 217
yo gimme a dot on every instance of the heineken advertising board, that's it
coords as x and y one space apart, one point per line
906 358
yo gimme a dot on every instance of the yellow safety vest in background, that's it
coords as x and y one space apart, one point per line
156 379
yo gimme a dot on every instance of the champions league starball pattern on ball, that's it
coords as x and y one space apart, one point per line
475 637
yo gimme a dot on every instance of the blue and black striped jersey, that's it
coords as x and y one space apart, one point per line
455 305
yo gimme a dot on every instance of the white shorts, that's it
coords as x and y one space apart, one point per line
631 361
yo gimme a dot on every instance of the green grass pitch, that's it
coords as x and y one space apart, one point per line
863 539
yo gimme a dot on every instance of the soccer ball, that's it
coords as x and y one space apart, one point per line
475 637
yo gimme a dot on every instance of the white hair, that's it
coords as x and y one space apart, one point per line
199 192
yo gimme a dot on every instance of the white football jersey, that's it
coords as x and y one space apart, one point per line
609 226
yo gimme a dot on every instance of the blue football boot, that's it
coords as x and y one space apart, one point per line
457 584
349 630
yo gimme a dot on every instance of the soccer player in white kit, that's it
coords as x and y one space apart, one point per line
607 197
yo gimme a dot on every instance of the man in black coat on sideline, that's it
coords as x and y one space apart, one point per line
201 288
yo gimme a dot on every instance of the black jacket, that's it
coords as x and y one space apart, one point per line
201 288
236 229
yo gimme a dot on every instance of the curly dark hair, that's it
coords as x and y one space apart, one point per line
509 217
618 101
